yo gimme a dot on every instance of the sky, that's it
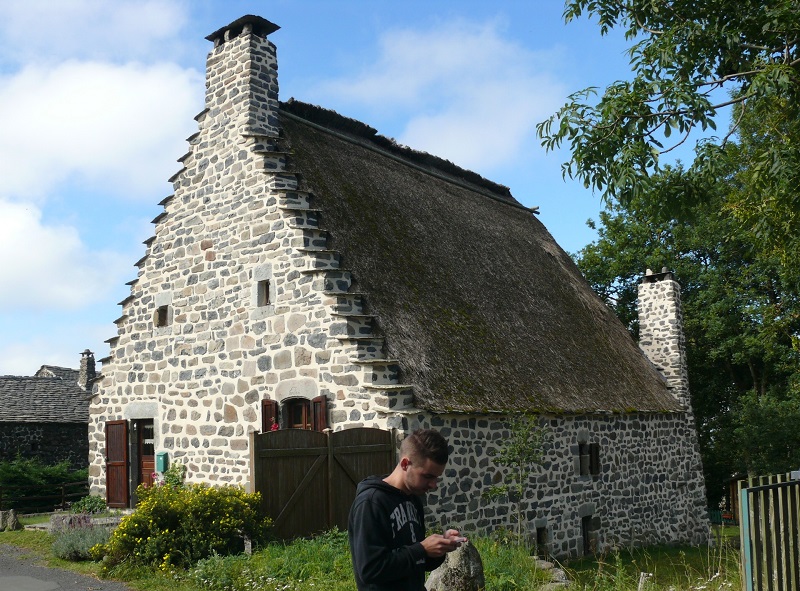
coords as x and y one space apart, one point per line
97 98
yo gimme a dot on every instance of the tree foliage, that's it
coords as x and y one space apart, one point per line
727 222
690 59
741 320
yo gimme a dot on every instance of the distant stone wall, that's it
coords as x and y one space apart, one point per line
50 442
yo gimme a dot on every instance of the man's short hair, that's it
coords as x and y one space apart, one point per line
425 444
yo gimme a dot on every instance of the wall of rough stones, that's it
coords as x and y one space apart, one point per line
236 227
50 442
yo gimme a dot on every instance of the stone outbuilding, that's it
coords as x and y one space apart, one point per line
312 274
46 415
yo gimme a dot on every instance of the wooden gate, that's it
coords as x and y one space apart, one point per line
769 519
308 479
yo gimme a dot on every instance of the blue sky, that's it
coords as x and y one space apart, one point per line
98 97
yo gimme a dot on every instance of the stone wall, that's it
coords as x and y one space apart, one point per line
50 442
647 490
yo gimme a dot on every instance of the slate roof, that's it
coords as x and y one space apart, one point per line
44 399
52 371
483 310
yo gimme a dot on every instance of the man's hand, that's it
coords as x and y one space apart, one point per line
437 545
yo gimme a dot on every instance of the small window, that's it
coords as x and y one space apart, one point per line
262 294
161 317
269 416
589 459
588 535
541 542
301 413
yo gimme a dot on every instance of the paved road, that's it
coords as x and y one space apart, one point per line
20 571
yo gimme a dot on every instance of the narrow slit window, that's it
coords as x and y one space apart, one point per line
161 317
262 295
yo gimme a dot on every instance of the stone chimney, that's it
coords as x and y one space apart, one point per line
86 374
242 80
661 331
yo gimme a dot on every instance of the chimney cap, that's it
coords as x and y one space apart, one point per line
260 26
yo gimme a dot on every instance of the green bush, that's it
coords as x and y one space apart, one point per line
177 526
74 543
45 478
90 504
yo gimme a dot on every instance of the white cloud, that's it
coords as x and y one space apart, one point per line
123 126
60 346
46 30
468 94
48 267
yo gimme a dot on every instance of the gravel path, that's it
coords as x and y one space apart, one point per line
20 571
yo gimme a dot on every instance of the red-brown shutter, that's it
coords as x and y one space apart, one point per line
319 413
269 414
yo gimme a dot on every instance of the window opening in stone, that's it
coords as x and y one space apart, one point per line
262 294
594 459
161 318
586 533
541 542
583 458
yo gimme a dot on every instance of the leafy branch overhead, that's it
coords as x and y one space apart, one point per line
689 59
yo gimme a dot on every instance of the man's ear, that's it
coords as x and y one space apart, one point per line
405 463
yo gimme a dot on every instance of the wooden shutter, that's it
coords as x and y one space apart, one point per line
319 413
117 464
594 458
269 414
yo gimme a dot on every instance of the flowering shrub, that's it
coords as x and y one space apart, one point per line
175 526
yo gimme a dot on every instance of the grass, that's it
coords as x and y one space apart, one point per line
324 563
668 567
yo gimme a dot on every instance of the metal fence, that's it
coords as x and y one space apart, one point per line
769 518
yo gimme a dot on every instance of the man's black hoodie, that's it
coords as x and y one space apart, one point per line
385 529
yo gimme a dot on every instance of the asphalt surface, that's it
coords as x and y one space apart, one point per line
21 571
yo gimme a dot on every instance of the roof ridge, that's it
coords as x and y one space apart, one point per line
354 130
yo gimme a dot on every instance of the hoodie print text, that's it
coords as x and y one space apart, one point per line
401 515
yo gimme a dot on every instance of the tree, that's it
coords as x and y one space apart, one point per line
520 454
741 315
691 59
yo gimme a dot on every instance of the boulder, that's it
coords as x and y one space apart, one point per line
462 570
12 523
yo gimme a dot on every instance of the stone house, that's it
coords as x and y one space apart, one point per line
311 273
46 415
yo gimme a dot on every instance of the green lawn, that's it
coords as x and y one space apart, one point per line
324 563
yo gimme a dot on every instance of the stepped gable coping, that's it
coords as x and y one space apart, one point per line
351 129
258 25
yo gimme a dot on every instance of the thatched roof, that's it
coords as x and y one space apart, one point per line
483 310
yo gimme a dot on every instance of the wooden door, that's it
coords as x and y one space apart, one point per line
145 447
117 464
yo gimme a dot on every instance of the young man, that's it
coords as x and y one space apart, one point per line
386 528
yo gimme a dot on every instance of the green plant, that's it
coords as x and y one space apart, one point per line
89 504
177 526
75 543
520 453
44 479
175 475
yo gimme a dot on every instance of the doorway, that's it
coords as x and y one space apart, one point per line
145 451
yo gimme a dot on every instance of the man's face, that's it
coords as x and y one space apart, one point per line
420 476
